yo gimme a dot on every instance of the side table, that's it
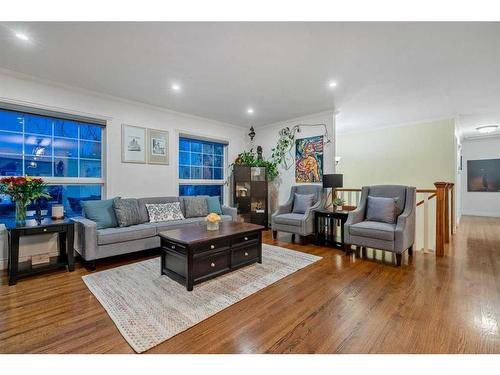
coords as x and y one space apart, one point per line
325 227
64 228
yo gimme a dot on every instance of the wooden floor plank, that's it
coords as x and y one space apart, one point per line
341 304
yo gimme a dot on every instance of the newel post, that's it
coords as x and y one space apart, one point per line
447 214
440 216
452 205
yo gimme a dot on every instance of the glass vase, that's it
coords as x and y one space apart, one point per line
212 226
20 212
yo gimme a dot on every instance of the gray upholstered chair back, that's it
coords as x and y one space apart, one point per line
398 192
317 190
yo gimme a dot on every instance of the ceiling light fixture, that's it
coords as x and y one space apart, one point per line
332 84
250 111
175 87
22 36
487 129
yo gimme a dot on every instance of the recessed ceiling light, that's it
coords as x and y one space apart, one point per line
250 111
332 84
22 36
175 87
487 129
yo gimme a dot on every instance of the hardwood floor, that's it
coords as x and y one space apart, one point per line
338 305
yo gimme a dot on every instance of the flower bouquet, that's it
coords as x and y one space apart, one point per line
213 221
23 191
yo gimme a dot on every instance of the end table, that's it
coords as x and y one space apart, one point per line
64 228
325 227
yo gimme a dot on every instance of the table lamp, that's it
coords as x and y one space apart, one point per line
332 181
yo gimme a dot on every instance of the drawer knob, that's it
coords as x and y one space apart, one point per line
45 229
173 246
212 264
246 254
246 238
212 247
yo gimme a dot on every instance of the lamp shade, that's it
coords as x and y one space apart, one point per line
333 180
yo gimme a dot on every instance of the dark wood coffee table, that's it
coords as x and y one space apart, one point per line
192 254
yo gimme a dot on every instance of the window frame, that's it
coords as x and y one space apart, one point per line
55 114
201 137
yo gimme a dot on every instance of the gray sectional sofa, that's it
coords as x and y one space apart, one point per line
92 243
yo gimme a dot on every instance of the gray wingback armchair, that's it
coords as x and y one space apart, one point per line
301 224
396 237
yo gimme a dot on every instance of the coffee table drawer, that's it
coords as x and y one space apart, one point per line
173 246
245 254
245 238
214 245
218 262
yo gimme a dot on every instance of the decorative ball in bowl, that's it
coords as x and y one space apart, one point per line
212 221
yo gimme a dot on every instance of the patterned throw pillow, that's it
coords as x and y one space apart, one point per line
196 206
164 212
127 212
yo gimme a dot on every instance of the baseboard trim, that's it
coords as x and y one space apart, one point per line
481 213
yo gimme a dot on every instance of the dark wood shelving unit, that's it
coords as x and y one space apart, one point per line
250 194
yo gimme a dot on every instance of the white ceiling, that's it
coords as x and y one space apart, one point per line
387 73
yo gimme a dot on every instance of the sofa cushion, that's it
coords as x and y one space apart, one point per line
127 212
381 209
290 219
302 202
134 232
102 212
142 205
195 206
164 211
213 204
373 229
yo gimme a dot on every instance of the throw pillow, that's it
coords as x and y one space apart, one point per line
302 202
101 212
381 209
213 204
127 212
195 206
164 211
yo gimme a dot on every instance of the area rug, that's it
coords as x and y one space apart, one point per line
149 308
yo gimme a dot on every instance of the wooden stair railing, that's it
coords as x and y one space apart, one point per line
445 211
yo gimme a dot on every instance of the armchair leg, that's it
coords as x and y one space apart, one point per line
293 237
410 251
398 259
90 265
275 234
347 248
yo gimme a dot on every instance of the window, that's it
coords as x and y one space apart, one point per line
66 151
201 167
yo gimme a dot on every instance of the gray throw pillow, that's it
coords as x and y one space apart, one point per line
381 209
195 206
127 212
302 202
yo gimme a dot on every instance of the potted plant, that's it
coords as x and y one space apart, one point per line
213 221
338 203
23 191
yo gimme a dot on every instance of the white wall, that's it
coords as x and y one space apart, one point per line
122 179
479 203
268 136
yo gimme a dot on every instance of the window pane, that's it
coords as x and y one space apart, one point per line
38 166
66 147
207 173
90 150
11 143
90 132
184 144
11 165
218 161
65 128
184 172
218 175
64 167
37 146
219 149
196 159
211 190
195 146
184 158
90 168
12 121
37 124
208 160
208 148
195 173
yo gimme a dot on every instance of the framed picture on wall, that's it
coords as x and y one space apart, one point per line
309 160
158 149
133 144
